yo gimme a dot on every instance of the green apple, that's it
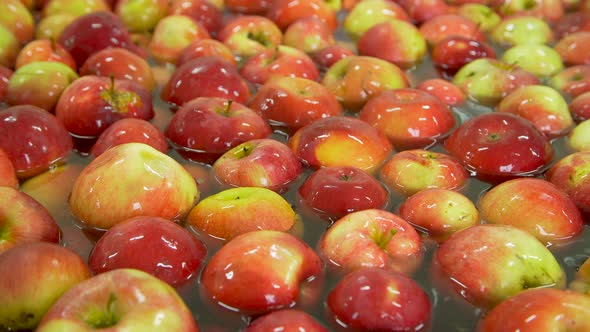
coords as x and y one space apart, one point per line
367 13
17 18
141 15
9 47
539 59
579 137
74 7
485 17
519 30
51 27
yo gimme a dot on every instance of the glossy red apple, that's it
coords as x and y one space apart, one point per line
572 81
574 49
421 11
570 174
285 12
441 27
308 34
580 107
247 6
205 47
279 61
329 55
446 91
203 11
130 130
453 52
172 34
287 320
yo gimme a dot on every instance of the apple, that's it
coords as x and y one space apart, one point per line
543 106
542 309
372 238
368 13
519 30
324 142
141 15
34 276
24 220
572 22
572 81
205 128
440 27
372 299
209 76
259 271
538 59
329 55
574 49
74 7
247 6
154 245
333 192
581 282
5 75
396 41
446 91
203 11
248 35
280 61
480 13
265 163
205 47
411 171
570 174
51 27
421 11
452 53
8 176
499 146
154 185
32 151
308 34
285 12
18 19
9 47
580 106
130 130
40 84
548 10
578 139
44 50
236 211
534 205
294 102
122 299
410 118
286 320
487 264
439 212
172 34
355 79
121 64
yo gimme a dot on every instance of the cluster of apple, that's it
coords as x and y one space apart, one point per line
294 165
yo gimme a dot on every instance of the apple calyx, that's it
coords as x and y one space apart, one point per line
101 319
259 38
382 238
493 137
345 177
119 100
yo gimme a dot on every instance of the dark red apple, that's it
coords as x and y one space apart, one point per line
205 47
453 52
202 11
329 55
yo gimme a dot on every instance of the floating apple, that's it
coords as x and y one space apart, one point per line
172 34
44 50
206 12
141 15
205 47
130 130
484 16
5 75
18 19
578 139
285 12
441 27
247 6
518 30
365 14
570 174
8 176
279 61
248 35
287 320
572 81
74 7
446 91
452 53
541 60
9 47
574 49
51 27
308 34
580 107
329 55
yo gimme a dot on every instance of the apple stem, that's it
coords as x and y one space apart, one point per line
227 107
384 238
112 87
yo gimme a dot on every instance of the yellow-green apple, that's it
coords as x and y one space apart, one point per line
570 174
232 212
543 106
203 11
130 130
453 52
33 138
51 27
121 64
572 81
247 6
18 19
411 171
446 91
534 205
580 106
205 47
93 32
5 75
74 7
119 300
34 276
440 27
248 35
154 185
581 281
394 40
209 76
24 220
499 146
340 141
373 299
574 49
485 17
548 10
279 61
285 12
141 15
544 309
365 14
486 264
579 138
439 212
265 163
355 79
259 271
333 192
9 47
154 245
372 238
206 127
308 34
172 34
538 59
410 118
329 55
294 102
8 176
39 83
487 81
287 320
421 11
44 50
518 30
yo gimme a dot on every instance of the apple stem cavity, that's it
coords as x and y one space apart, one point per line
382 239
107 318
119 100
225 111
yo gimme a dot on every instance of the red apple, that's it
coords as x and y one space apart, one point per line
549 10
453 52
500 146
446 91
372 299
34 276
203 11
572 81
130 130
574 49
247 6
154 184
324 142
265 163
309 34
329 55
280 61
44 50
154 245
572 22
286 320
580 107
334 192
18 19
205 128
32 151
209 76
441 27
294 102
119 300
285 12
570 174
248 35
8 176
421 11
205 47
259 271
